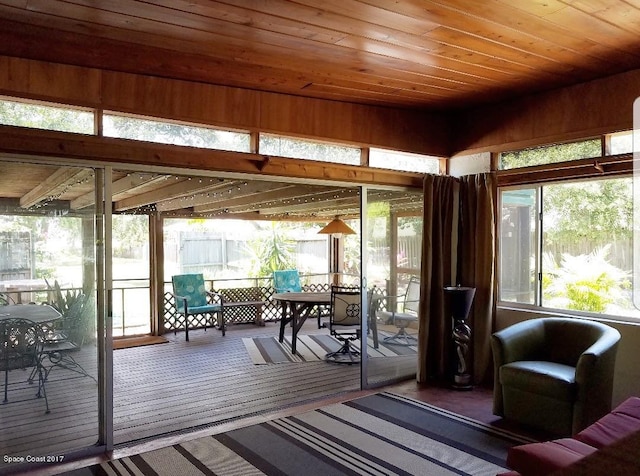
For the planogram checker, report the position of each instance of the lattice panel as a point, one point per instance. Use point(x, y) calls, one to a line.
point(271, 311)
point(244, 314)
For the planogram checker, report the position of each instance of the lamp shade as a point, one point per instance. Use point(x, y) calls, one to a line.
point(460, 299)
point(336, 227)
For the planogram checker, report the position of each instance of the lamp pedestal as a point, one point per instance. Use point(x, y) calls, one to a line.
point(459, 299)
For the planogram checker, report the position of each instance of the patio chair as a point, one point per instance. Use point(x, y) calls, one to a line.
point(5, 299)
point(21, 344)
point(401, 319)
point(344, 323)
point(64, 339)
point(287, 280)
point(192, 299)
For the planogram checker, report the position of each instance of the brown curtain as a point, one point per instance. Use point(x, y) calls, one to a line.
point(476, 266)
point(439, 241)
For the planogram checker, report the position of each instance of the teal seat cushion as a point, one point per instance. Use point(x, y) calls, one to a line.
point(287, 280)
point(550, 379)
point(191, 287)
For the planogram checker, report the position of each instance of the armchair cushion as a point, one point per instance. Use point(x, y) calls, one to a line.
point(544, 378)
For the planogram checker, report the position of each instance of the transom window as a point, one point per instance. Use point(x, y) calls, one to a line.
point(550, 154)
point(396, 160)
point(166, 132)
point(49, 116)
point(310, 150)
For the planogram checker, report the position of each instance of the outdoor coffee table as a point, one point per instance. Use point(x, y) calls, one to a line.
point(296, 307)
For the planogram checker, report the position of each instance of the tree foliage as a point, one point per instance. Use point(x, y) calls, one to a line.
point(46, 117)
point(176, 134)
point(597, 211)
point(550, 154)
point(586, 282)
point(271, 251)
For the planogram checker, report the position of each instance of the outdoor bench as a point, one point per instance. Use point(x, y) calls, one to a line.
point(240, 305)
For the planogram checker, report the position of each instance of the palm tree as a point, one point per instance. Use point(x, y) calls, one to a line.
point(271, 251)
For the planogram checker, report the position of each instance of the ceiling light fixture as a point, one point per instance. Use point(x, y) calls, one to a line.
point(337, 227)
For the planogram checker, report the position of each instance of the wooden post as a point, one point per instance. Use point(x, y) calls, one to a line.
point(156, 272)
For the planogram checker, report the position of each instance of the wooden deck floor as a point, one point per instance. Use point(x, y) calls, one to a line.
point(166, 389)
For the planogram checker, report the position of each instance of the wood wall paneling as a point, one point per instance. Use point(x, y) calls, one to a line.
point(401, 129)
point(181, 100)
point(575, 112)
point(50, 81)
point(584, 110)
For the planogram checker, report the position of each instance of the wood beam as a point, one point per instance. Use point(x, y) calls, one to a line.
point(177, 187)
point(31, 143)
point(207, 198)
point(253, 202)
point(55, 185)
point(321, 202)
point(128, 184)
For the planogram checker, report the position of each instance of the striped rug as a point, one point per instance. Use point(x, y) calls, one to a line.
point(311, 348)
point(380, 434)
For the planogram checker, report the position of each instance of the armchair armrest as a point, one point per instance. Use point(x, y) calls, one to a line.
point(184, 302)
point(215, 297)
point(522, 341)
point(376, 300)
point(594, 379)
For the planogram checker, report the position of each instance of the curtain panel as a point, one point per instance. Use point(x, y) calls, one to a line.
point(476, 266)
point(439, 242)
point(458, 248)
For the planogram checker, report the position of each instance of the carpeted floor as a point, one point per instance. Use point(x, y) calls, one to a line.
point(379, 434)
point(311, 348)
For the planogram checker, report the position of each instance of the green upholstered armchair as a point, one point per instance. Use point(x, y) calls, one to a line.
point(555, 374)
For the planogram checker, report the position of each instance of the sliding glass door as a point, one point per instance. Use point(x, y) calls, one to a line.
point(392, 240)
point(51, 261)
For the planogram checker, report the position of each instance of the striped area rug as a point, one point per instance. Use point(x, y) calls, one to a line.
point(380, 434)
point(311, 348)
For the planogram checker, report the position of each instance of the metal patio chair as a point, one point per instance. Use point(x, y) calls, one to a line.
point(192, 299)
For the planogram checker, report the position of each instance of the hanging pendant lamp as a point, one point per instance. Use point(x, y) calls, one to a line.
point(337, 227)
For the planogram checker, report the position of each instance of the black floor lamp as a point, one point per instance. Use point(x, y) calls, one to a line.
point(459, 300)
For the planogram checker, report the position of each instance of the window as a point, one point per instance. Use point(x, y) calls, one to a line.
point(396, 160)
point(620, 143)
point(569, 246)
point(550, 154)
point(310, 150)
point(165, 132)
point(46, 116)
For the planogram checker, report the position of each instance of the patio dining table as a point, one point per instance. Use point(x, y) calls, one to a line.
point(296, 307)
point(41, 314)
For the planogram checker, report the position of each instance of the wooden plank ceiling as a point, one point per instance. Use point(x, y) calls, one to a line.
point(432, 54)
point(48, 189)
point(427, 54)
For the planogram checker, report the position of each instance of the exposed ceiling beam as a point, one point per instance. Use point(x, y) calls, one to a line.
point(255, 202)
point(55, 185)
point(176, 187)
point(128, 184)
point(320, 202)
point(221, 193)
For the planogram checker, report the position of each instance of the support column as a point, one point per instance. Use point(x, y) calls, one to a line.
point(156, 272)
